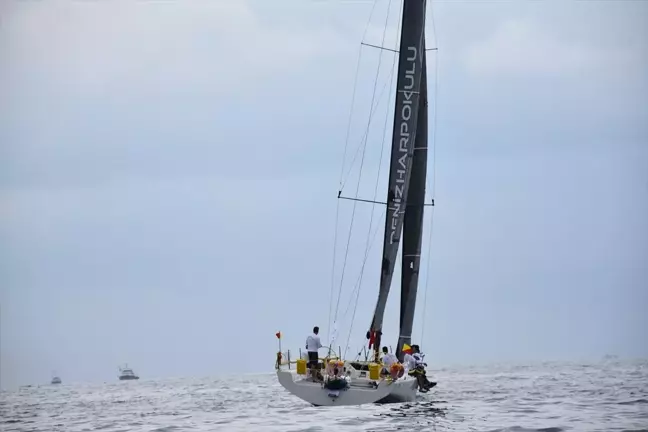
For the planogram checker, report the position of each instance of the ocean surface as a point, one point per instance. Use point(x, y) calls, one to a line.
point(549, 397)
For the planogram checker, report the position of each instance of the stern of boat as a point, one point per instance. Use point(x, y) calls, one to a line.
point(358, 393)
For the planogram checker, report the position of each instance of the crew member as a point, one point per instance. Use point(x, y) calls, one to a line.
point(419, 370)
point(408, 360)
point(387, 359)
point(313, 344)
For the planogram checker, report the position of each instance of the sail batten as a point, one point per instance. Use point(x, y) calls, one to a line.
point(408, 85)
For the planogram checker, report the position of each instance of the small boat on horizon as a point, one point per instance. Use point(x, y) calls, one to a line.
point(126, 373)
point(56, 380)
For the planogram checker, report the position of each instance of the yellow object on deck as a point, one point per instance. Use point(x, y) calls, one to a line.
point(374, 371)
point(301, 367)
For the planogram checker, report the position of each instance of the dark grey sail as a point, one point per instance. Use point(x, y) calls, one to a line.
point(410, 66)
point(413, 222)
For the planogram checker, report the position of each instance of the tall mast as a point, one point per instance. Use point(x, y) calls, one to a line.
point(410, 67)
point(413, 221)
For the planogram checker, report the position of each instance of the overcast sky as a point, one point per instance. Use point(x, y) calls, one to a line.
point(169, 172)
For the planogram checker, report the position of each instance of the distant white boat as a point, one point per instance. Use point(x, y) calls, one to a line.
point(126, 373)
point(56, 380)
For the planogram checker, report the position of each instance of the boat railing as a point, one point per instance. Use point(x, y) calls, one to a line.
point(285, 359)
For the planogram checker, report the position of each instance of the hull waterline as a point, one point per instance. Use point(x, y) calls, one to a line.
point(360, 392)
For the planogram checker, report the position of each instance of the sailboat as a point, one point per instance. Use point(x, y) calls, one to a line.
point(404, 221)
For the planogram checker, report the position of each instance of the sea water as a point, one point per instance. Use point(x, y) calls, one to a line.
point(549, 397)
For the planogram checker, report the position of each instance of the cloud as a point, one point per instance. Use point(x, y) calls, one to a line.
point(104, 46)
point(521, 48)
point(146, 88)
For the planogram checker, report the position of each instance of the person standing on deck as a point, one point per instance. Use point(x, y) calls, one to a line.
point(313, 344)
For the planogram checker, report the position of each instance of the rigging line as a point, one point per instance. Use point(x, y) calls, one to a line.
point(433, 192)
point(384, 131)
point(335, 235)
point(366, 29)
point(337, 206)
point(373, 109)
point(436, 42)
point(355, 87)
point(346, 145)
point(382, 150)
point(358, 289)
point(364, 151)
point(358, 280)
point(358, 285)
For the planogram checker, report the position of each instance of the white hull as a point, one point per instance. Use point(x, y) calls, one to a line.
point(360, 392)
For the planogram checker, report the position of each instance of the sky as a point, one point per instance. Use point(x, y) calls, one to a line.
point(169, 173)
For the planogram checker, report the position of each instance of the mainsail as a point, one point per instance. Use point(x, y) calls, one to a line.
point(408, 85)
point(413, 222)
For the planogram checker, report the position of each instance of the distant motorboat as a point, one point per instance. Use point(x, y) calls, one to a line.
point(56, 380)
point(126, 373)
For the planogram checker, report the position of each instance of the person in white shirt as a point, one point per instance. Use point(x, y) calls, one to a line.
point(413, 369)
point(409, 362)
point(418, 358)
point(419, 366)
point(313, 344)
point(388, 358)
point(391, 365)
